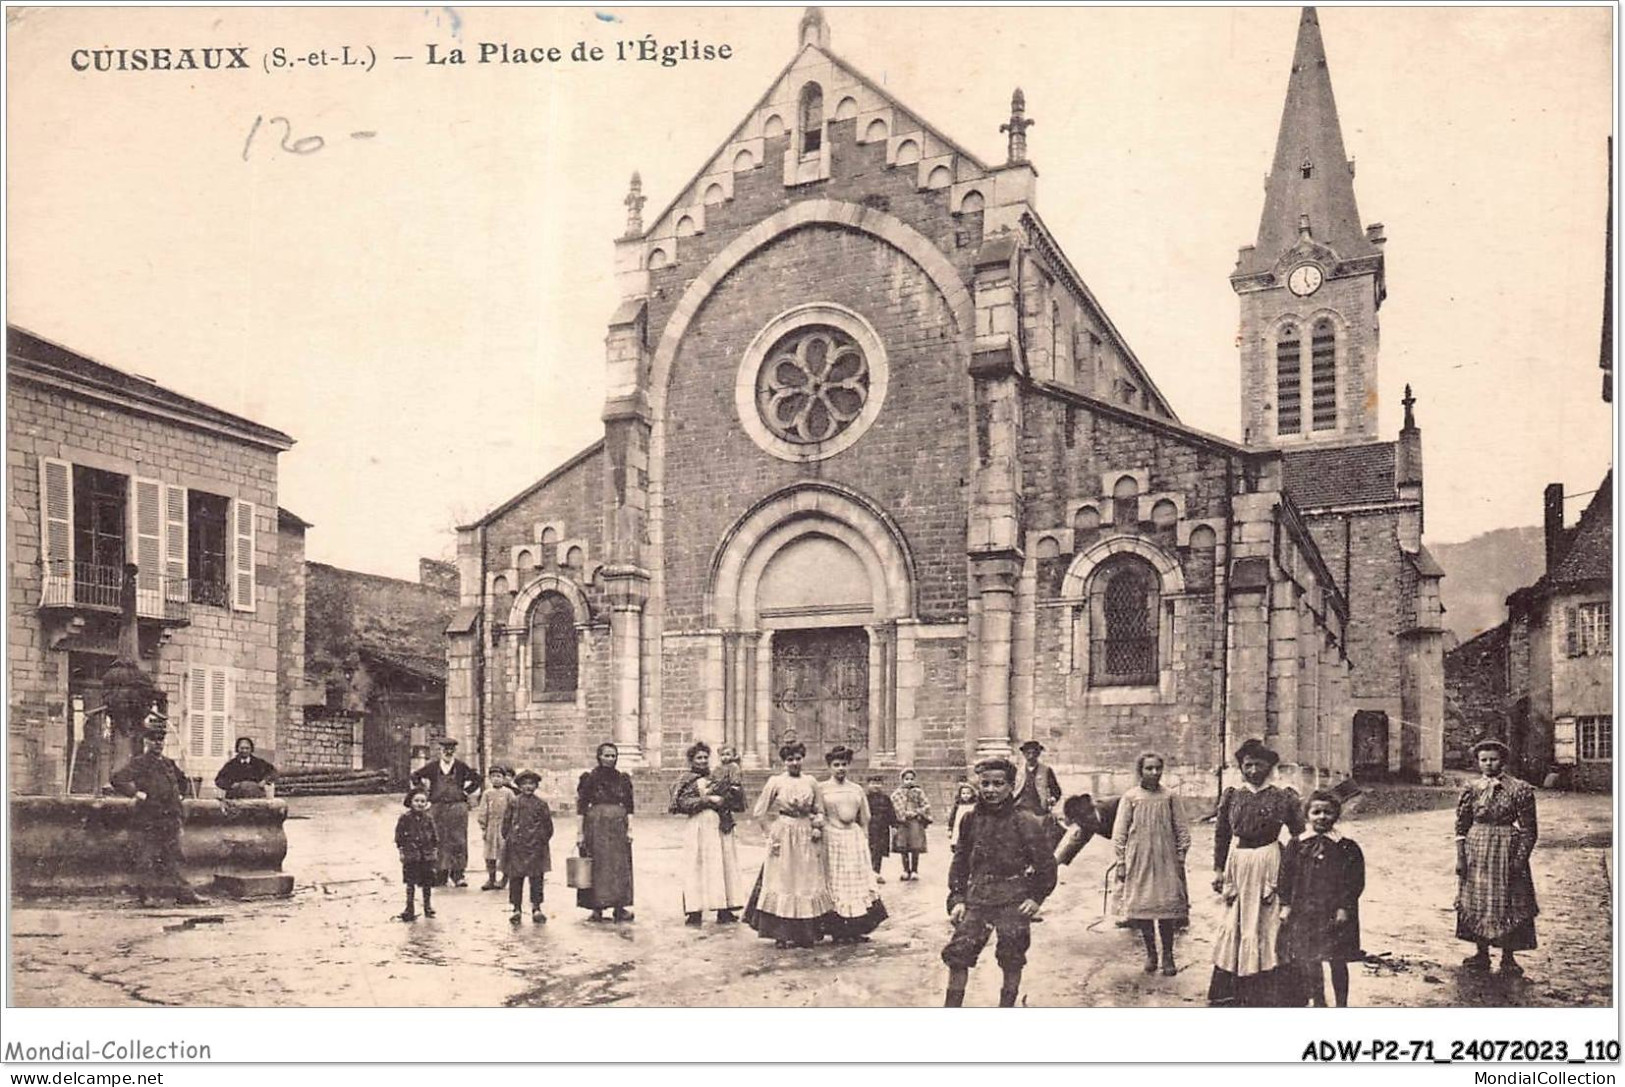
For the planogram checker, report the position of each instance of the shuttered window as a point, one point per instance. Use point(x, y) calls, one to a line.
point(1323, 375)
point(148, 519)
point(1288, 381)
point(209, 694)
point(56, 529)
point(242, 560)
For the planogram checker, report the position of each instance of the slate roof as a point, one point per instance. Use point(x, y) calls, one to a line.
point(1349, 475)
point(28, 354)
point(1310, 134)
point(1590, 553)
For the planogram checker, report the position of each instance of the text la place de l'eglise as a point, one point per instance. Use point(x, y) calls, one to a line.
point(160, 59)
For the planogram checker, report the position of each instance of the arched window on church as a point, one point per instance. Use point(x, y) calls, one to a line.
point(812, 118)
point(552, 647)
point(1288, 381)
point(1126, 503)
point(1323, 375)
point(1124, 598)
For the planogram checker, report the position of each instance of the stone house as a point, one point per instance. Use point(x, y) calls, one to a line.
point(878, 470)
point(374, 655)
point(1542, 681)
point(107, 468)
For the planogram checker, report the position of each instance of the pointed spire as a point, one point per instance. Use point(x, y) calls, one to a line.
point(1017, 127)
point(1311, 179)
point(634, 206)
point(814, 30)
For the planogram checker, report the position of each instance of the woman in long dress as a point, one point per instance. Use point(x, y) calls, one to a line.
point(1151, 839)
point(792, 893)
point(858, 909)
point(710, 869)
point(1496, 831)
point(604, 799)
point(1247, 867)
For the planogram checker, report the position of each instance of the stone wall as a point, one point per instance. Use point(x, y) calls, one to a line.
point(45, 423)
point(1476, 696)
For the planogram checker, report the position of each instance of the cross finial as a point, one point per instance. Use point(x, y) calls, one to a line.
point(634, 206)
point(814, 30)
point(1409, 402)
point(1017, 127)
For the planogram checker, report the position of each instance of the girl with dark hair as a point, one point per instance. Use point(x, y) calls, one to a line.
point(1151, 839)
point(1247, 871)
point(791, 898)
point(1496, 831)
point(604, 799)
point(711, 864)
point(857, 909)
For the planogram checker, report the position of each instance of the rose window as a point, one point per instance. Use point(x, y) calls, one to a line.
point(812, 385)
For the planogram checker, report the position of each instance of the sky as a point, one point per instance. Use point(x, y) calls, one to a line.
point(423, 307)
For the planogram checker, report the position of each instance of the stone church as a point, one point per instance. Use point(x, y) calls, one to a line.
point(878, 470)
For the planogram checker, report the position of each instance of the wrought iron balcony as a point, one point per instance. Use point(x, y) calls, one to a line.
point(89, 587)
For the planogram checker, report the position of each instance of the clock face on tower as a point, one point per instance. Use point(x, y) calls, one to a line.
point(1304, 280)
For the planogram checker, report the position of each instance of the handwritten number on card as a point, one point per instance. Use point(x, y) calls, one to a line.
point(304, 146)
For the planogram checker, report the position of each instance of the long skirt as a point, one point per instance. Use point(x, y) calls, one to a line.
point(604, 831)
point(792, 894)
point(711, 879)
point(858, 909)
point(451, 827)
point(1495, 900)
point(1245, 953)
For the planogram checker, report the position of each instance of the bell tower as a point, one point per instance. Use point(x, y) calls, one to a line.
point(1311, 285)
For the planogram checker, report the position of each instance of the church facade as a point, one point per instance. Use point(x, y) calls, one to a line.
point(878, 470)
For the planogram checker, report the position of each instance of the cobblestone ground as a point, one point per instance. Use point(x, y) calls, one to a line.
point(335, 941)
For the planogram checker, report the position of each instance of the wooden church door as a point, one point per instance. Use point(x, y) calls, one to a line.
point(821, 692)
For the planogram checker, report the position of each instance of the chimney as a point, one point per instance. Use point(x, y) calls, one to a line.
point(1554, 524)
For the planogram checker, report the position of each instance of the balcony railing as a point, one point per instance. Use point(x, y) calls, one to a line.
point(85, 586)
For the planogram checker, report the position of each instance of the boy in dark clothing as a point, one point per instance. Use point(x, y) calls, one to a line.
point(527, 830)
point(419, 846)
point(1001, 873)
point(882, 817)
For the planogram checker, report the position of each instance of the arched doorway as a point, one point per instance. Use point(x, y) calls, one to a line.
point(808, 590)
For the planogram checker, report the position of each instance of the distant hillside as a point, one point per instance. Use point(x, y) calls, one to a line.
point(1481, 572)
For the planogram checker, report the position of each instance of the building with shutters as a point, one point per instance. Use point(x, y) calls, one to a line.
point(878, 470)
point(106, 468)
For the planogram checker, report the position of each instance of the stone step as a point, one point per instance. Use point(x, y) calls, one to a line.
point(253, 884)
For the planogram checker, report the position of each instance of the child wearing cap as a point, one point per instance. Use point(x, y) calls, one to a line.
point(527, 830)
point(493, 807)
point(419, 847)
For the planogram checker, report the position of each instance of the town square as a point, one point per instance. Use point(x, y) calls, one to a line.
point(940, 541)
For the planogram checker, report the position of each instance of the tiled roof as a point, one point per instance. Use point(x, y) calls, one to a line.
point(31, 354)
point(1590, 554)
point(1350, 475)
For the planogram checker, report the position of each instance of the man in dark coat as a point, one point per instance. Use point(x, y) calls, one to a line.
point(1036, 790)
point(1001, 873)
point(158, 786)
point(450, 783)
point(246, 775)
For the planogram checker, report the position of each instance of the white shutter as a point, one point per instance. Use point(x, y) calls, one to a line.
point(175, 553)
point(56, 529)
point(147, 517)
point(242, 556)
point(219, 712)
point(197, 716)
point(1564, 741)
